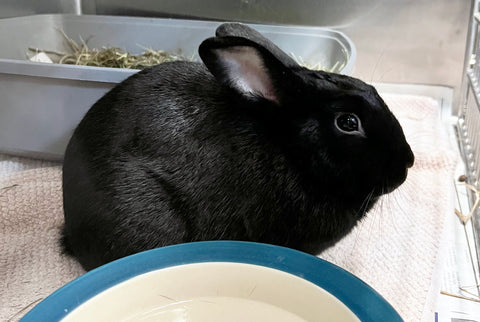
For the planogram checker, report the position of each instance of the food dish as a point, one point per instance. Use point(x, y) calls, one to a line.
point(218, 279)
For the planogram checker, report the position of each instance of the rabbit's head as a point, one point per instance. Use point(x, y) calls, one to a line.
point(335, 129)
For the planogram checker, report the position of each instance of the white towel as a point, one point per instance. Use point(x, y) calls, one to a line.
point(395, 249)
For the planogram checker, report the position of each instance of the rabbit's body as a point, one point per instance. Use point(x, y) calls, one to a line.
point(171, 155)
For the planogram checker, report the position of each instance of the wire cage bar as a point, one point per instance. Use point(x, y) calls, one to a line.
point(468, 127)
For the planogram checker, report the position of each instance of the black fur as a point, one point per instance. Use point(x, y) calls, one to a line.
point(175, 154)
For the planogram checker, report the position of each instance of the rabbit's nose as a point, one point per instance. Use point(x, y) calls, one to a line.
point(410, 157)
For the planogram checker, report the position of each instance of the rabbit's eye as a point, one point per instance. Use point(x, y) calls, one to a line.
point(349, 123)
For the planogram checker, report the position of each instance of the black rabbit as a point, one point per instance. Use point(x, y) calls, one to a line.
point(249, 146)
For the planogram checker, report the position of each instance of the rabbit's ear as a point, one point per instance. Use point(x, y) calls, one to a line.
point(240, 30)
point(244, 66)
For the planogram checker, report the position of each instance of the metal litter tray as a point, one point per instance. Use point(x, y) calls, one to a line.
point(42, 103)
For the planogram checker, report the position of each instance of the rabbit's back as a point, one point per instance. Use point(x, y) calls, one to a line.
point(149, 167)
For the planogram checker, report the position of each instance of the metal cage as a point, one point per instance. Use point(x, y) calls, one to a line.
point(469, 116)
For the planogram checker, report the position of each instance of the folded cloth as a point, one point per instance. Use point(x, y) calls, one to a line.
point(31, 262)
point(395, 248)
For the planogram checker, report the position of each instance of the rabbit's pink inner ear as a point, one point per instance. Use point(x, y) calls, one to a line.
point(246, 72)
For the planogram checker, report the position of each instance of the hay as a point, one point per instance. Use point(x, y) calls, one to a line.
point(112, 57)
point(336, 68)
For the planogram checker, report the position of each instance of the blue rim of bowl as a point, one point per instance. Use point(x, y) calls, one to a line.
point(358, 296)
